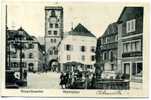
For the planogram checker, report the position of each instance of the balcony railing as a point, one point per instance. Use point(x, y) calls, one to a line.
point(109, 46)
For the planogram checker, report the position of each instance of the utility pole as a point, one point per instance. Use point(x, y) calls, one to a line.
point(20, 46)
point(6, 18)
point(7, 46)
point(6, 60)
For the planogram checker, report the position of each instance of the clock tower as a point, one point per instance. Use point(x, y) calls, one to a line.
point(53, 34)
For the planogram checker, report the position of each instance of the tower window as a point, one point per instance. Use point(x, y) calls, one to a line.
point(51, 25)
point(55, 32)
point(49, 32)
point(53, 13)
point(56, 25)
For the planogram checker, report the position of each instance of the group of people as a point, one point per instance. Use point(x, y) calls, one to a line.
point(67, 80)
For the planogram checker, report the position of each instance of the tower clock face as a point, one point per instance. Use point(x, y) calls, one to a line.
point(53, 19)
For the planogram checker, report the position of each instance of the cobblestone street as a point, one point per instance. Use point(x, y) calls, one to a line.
point(49, 80)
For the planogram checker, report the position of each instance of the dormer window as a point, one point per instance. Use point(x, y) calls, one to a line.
point(130, 26)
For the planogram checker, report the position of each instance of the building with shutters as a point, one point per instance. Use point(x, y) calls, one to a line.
point(77, 50)
point(32, 52)
point(106, 51)
point(53, 34)
point(130, 42)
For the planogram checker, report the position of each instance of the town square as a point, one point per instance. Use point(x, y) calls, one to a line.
point(77, 49)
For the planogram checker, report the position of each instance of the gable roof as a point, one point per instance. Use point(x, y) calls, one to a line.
point(81, 30)
point(111, 29)
point(131, 12)
point(13, 33)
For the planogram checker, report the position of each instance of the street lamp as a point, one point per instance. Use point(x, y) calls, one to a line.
point(19, 45)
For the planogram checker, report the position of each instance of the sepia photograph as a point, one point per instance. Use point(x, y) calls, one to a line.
point(75, 46)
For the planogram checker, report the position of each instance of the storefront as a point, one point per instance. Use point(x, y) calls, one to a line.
point(133, 68)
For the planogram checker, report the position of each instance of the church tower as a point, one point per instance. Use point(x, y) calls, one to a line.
point(53, 33)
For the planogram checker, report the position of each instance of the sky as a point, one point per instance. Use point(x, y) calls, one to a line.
point(94, 16)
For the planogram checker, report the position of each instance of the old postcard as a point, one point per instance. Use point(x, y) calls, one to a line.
point(74, 49)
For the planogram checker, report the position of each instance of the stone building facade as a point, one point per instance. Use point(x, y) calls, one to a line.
point(130, 46)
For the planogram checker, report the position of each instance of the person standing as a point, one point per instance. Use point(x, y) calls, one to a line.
point(93, 81)
point(25, 74)
point(62, 80)
point(67, 80)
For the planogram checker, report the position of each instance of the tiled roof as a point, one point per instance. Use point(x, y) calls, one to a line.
point(81, 30)
point(111, 29)
point(13, 33)
point(131, 12)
